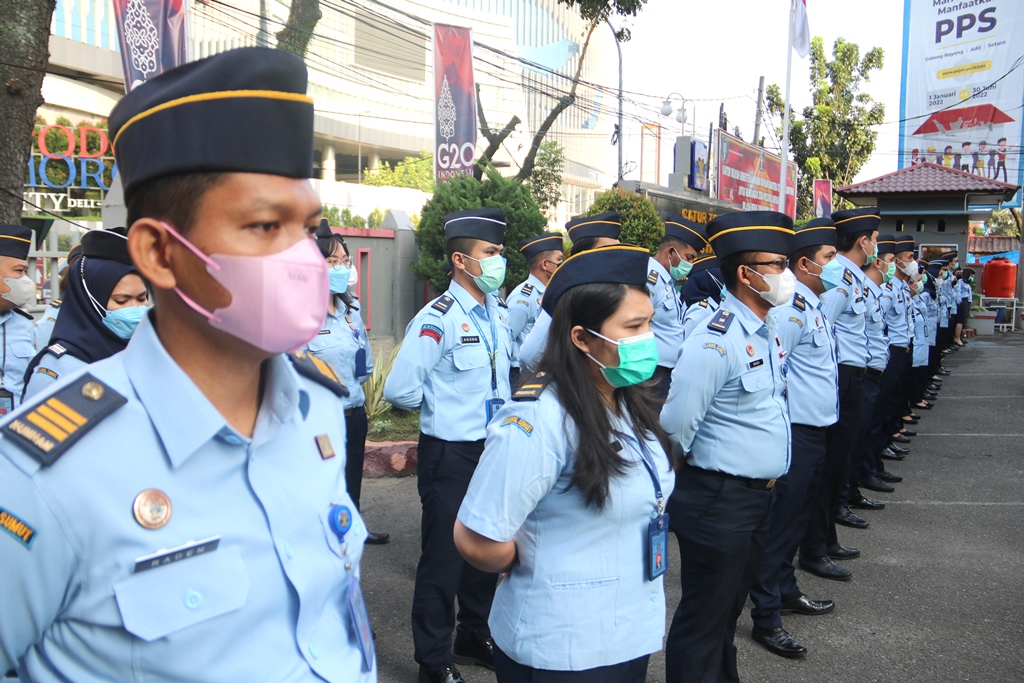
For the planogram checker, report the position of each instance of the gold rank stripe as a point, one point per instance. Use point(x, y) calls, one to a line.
point(325, 369)
point(56, 418)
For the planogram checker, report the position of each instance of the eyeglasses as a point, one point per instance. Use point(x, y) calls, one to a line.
point(335, 261)
point(781, 264)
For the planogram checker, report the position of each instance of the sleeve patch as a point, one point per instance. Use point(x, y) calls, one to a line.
point(17, 528)
point(432, 331)
point(842, 291)
point(518, 422)
point(716, 347)
point(522, 301)
point(46, 371)
point(798, 321)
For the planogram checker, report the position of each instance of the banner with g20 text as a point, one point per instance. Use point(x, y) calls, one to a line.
point(454, 102)
point(748, 176)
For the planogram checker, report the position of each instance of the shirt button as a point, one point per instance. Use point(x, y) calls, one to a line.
point(759, 385)
point(348, 566)
point(654, 598)
point(289, 550)
point(313, 652)
point(233, 440)
point(193, 599)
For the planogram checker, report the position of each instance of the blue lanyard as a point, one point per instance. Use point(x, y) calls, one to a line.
point(648, 460)
point(491, 352)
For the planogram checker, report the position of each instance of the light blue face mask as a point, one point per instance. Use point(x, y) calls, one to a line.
point(123, 321)
point(831, 273)
point(339, 278)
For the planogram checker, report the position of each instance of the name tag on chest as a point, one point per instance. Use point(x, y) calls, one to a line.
point(172, 555)
point(470, 340)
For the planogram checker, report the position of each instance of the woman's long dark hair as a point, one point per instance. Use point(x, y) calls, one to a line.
point(327, 247)
point(596, 461)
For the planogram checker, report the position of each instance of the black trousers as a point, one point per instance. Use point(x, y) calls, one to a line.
point(863, 456)
point(663, 382)
point(904, 392)
point(721, 525)
point(510, 671)
point(821, 527)
point(443, 471)
point(886, 405)
point(355, 451)
point(775, 582)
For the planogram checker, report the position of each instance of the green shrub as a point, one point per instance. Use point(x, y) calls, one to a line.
point(640, 222)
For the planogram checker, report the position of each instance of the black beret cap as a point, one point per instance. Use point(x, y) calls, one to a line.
point(606, 224)
point(886, 244)
point(478, 224)
point(687, 231)
point(615, 263)
point(240, 111)
point(111, 245)
point(904, 244)
point(852, 221)
point(324, 229)
point(548, 241)
point(818, 232)
point(15, 241)
point(948, 256)
point(768, 231)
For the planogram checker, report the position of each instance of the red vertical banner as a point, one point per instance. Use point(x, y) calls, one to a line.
point(151, 34)
point(454, 102)
point(823, 199)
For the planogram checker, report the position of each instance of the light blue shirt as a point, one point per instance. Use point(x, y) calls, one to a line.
point(50, 368)
point(931, 318)
point(444, 367)
point(918, 317)
point(269, 604)
point(945, 292)
point(19, 340)
point(532, 348)
point(964, 290)
point(726, 409)
point(667, 323)
point(846, 306)
point(523, 307)
point(698, 313)
point(878, 342)
point(44, 326)
point(812, 370)
point(897, 319)
point(337, 344)
point(578, 596)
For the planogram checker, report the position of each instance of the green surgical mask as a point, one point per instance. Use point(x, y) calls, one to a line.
point(638, 357)
point(870, 257)
point(680, 271)
point(888, 275)
point(492, 273)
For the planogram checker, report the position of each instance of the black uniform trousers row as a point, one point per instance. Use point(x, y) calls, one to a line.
point(721, 525)
point(864, 456)
point(444, 471)
point(356, 426)
point(509, 670)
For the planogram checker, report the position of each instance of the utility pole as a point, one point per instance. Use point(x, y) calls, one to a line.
point(618, 137)
point(757, 116)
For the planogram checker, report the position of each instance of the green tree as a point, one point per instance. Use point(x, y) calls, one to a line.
point(523, 219)
point(641, 224)
point(1004, 223)
point(546, 180)
point(414, 172)
point(835, 136)
point(375, 218)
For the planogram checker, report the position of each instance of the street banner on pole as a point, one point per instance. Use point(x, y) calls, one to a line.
point(455, 131)
point(748, 177)
point(151, 34)
point(823, 199)
point(698, 166)
point(962, 87)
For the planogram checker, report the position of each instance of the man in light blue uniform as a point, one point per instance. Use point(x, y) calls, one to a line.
point(225, 548)
point(727, 419)
point(702, 292)
point(543, 255)
point(673, 261)
point(812, 381)
point(454, 366)
point(18, 335)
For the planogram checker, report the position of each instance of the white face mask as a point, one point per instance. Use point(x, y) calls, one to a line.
point(909, 269)
point(23, 290)
point(781, 287)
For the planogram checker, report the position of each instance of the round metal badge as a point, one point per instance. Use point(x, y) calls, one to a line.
point(152, 508)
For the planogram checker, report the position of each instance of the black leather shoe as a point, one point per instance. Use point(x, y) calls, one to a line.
point(908, 432)
point(944, 372)
point(933, 387)
point(899, 438)
point(865, 503)
point(910, 421)
point(841, 552)
point(778, 642)
point(923, 405)
point(448, 674)
point(898, 449)
point(876, 484)
point(930, 396)
point(826, 569)
point(914, 416)
point(889, 454)
point(804, 605)
point(473, 648)
point(377, 539)
point(886, 475)
point(848, 517)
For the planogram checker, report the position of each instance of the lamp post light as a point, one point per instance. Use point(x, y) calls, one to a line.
point(681, 117)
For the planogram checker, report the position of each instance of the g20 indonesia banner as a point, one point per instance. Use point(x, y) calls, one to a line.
point(151, 34)
point(454, 102)
point(960, 102)
point(748, 176)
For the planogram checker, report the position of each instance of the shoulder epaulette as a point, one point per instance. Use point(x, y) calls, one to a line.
point(443, 304)
point(527, 289)
point(56, 303)
point(652, 277)
point(721, 322)
point(847, 276)
point(703, 303)
point(51, 426)
point(501, 302)
point(532, 387)
point(312, 368)
point(25, 314)
point(799, 302)
point(56, 350)
point(888, 285)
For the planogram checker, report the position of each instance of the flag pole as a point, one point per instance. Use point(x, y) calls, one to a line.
point(785, 118)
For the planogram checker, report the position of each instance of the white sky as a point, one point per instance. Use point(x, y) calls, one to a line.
point(718, 49)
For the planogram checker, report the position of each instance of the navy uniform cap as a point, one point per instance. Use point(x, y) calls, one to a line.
point(478, 224)
point(818, 232)
point(768, 231)
point(607, 224)
point(324, 229)
point(948, 256)
point(689, 232)
point(886, 244)
point(852, 221)
point(703, 262)
point(934, 266)
point(111, 245)
point(616, 263)
point(15, 241)
point(548, 241)
point(904, 244)
point(241, 111)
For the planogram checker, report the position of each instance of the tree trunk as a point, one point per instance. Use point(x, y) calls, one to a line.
point(24, 40)
point(298, 32)
point(494, 140)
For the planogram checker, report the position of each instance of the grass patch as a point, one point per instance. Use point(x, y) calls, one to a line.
point(395, 425)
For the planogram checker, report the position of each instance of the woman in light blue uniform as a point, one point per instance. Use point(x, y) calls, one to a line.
point(343, 345)
point(569, 492)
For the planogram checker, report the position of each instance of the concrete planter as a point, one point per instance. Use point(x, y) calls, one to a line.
point(389, 459)
point(982, 323)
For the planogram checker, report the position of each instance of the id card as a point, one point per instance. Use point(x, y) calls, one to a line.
point(361, 622)
point(360, 362)
point(6, 402)
point(657, 547)
point(493, 405)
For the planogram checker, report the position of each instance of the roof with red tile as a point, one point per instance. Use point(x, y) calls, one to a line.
point(992, 244)
point(928, 178)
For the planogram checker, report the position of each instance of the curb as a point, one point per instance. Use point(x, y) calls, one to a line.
point(389, 459)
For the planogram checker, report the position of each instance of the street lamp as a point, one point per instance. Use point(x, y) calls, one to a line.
point(681, 117)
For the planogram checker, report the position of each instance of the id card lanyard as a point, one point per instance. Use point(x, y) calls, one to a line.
point(648, 460)
point(340, 521)
point(6, 397)
point(491, 351)
point(656, 550)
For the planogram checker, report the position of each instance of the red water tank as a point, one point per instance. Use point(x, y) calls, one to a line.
point(1001, 278)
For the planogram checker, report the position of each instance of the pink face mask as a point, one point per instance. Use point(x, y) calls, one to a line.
point(278, 302)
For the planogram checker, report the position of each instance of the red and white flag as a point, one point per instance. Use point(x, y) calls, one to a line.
point(801, 31)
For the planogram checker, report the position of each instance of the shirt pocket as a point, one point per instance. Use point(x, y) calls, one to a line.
point(158, 602)
point(23, 349)
point(322, 342)
point(876, 315)
point(472, 368)
point(859, 307)
point(819, 338)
